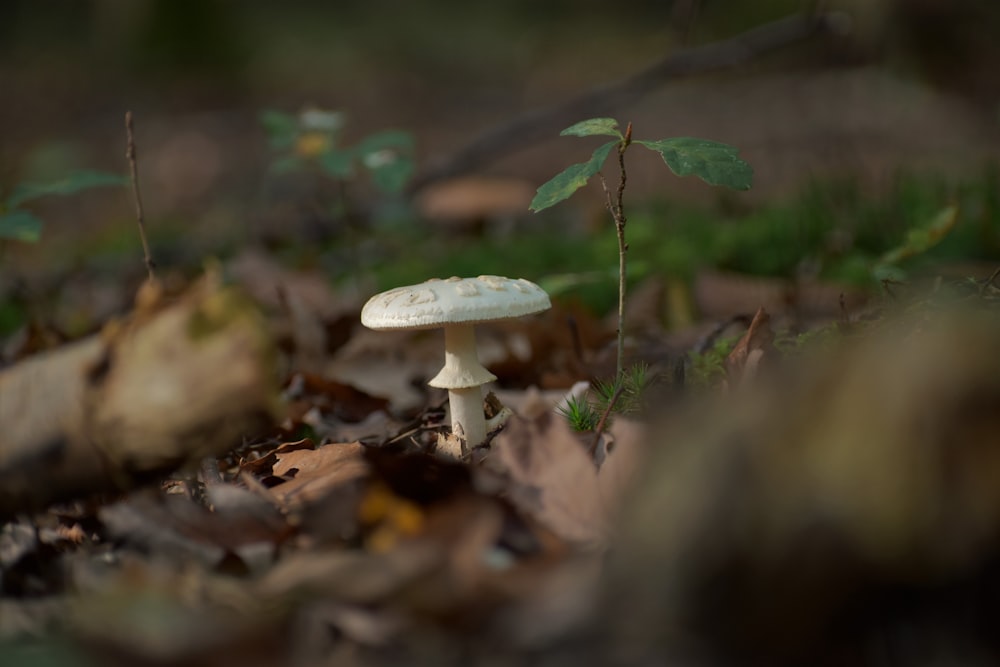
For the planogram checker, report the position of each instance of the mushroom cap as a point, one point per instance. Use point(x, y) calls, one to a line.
point(437, 303)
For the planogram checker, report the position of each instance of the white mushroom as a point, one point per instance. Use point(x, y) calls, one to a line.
point(457, 305)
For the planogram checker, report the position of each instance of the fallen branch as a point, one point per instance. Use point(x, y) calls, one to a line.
point(166, 388)
point(535, 126)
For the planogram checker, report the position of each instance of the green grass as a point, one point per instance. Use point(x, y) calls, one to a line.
point(834, 231)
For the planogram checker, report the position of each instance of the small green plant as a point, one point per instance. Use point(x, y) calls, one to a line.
point(708, 367)
point(19, 224)
point(623, 396)
point(581, 413)
point(312, 138)
point(713, 162)
point(919, 240)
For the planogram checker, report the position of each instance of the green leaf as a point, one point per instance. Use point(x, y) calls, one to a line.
point(592, 127)
point(70, 184)
point(574, 177)
point(281, 128)
point(20, 226)
point(921, 239)
point(338, 163)
point(713, 162)
point(388, 156)
point(392, 177)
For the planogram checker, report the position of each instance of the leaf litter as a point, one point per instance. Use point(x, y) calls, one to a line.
point(737, 519)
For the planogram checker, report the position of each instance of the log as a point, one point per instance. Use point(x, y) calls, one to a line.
point(169, 386)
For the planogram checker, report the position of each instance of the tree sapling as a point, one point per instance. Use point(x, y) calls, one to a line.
point(713, 162)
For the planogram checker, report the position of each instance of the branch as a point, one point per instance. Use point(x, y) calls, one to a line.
point(542, 124)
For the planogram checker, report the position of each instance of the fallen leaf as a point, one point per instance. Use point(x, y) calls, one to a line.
point(343, 400)
point(743, 362)
point(265, 463)
point(552, 478)
point(318, 471)
point(177, 526)
point(350, 576)
point(375, 363)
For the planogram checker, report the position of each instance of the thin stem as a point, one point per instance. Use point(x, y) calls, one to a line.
point(599, 429)
point(617, 210)
point(134, 168)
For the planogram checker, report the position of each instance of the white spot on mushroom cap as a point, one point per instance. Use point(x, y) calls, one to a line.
point(436, 302)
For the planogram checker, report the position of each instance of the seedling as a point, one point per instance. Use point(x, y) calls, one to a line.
point(713, 162)
point(312, 138)
point(19, 224)
point(623, 395)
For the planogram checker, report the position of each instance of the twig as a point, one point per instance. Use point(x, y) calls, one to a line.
point(989, 282)
point(535, 126)
point(604, 418)
point(140, 218)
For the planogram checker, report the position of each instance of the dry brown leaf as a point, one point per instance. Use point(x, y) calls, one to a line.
point(351, 576)
point(743, 362)
point(264, 464)
point(343, 400)
point(623, 460)
point(176, 527)
point(388, 364)
point(552, 478)
point(377, 426)
point(74, 533)
point(550, 603)
point(319, 471)
point(308, 333)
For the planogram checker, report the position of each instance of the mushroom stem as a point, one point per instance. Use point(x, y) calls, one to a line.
point(461, 363)
point(467, 419)
point(463, 376)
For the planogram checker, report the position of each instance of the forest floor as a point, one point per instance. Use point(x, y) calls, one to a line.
point(223, 466)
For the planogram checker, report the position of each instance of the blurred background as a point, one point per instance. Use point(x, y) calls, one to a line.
point(884, 120)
